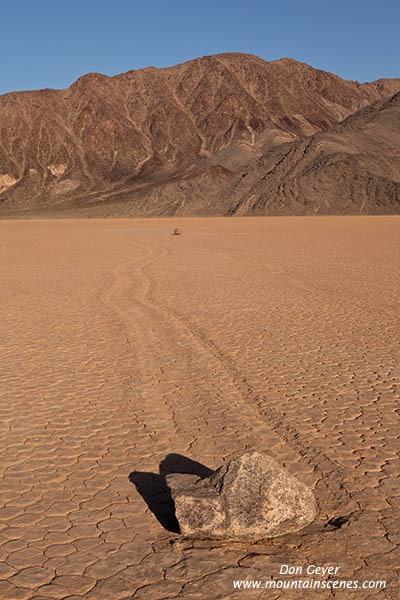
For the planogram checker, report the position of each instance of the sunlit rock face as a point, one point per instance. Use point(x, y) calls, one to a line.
point(252, 497)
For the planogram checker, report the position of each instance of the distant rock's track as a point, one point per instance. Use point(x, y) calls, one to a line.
point(200, 386)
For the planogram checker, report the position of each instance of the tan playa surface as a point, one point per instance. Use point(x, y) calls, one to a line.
point(124, 347)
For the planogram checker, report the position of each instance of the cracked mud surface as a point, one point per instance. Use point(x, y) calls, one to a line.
point(123, 348)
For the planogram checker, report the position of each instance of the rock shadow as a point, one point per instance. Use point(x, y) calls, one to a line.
point(155, 492)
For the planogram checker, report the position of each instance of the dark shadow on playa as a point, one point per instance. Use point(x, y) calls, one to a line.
point(155, 492)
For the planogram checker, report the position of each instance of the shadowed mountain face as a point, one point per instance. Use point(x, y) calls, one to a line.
point(198, 138)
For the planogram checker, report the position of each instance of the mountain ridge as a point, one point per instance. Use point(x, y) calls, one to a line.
point(107, 138)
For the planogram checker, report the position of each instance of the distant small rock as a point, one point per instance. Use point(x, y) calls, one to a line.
point(177, 231)
point(252, 497)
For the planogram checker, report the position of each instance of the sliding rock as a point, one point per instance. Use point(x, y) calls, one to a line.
point(252, 497)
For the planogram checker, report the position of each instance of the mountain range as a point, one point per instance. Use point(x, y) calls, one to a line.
point(229, 134)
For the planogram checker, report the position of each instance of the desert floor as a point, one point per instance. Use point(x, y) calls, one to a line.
point(127, 352)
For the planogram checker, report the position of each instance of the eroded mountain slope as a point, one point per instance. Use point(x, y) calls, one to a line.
point(353, 167)
point(111, 144)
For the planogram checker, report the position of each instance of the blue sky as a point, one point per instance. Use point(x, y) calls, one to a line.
point(50, 44)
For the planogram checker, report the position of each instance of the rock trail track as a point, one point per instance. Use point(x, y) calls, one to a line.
point(124, 349)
